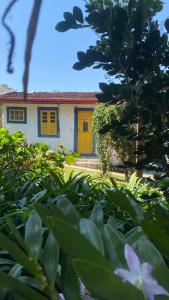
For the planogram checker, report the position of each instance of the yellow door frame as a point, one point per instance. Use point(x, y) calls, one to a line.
point(76, 111)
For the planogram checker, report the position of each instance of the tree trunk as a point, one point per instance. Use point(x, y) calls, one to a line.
point(139, 173)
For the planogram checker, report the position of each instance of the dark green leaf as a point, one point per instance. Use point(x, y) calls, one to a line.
point(74, 244)
point(18, 287)
point(97, 214)
point(102, 283)
point(148, 253)
point(69, 280)
point(158, 236)
point(67, 208)
point(90, 231)
point(39, 197)
point(69, 17)
point(114, 246)
point(18, 254)
point(126, 204)
point(63, 26)
point(51, 258)
point(78, 66)
point(77, 13)
point(17, 234)
point(33, 234)
point(42, 211)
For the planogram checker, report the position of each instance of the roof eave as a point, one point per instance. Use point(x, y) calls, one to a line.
point(48, 101)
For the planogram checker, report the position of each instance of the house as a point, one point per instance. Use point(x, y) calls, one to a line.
point(52, 118)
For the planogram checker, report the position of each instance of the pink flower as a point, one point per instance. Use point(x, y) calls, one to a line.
point(140, 275)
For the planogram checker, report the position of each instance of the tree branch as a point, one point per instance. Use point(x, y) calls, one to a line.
point(11, 36)
point(31, 33)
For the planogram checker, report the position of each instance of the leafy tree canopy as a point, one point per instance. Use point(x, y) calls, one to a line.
point(134, 51)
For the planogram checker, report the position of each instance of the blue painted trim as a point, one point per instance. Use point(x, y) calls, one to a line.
point(17, 122)
point(57, 114)
point(76, 110)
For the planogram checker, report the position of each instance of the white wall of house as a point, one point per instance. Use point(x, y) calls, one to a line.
point(66, 124)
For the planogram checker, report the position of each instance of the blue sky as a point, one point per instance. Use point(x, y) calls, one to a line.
point(53, 53)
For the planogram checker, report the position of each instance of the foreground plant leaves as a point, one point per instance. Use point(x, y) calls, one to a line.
point(18, 255)
point(97, 215)
point(158, 236)
point(90, 231)
point(15, 232)
point(68, 209)
point(147, 252)
point(114, 246)
point(51, 258)
point(69, 280)
point(33, 234)
point(18, 287)
point(127, 204)
point(102, 283)
point(74, 244)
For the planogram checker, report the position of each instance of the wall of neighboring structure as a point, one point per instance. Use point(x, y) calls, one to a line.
point(66, 124)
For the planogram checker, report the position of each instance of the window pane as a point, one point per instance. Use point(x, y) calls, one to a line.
point(20, 115)
point(16, 115)
point(44, 117)
point(11, 115)
point(85, 126)
point(53, 117)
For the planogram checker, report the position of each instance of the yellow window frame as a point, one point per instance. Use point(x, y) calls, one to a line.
point(48, 122)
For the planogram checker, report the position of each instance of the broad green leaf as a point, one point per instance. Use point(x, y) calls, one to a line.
point(33, 234)
point(62, 26)
point(17, 254)
point(112, 222)
point(16, 271)
point(18, 287)
point(162, 216)
point(68, 209)
point(74, 244)
point(32, 282)
point(31, 187)
point(51, 258)
point(134, 234)
point(102, 283)
point(158, 236)
point(77, 13)
point(39, 197)
point(42, 211)
point(90, 231)
point(114, 246)
point(126, 204)
point(69, 280)
point(69, 17)
point(97, 214)
point(16, 234)
point(148, 253)
point(57, 213)
point(4, 261)
point(18, 297)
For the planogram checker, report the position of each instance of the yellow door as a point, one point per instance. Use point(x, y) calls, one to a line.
point(48, 122)
point(85, 132)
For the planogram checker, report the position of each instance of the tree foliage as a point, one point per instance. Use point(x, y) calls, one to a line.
point(134, 52)
point(112, 149)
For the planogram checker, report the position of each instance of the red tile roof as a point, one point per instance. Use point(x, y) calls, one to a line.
point(52, 98)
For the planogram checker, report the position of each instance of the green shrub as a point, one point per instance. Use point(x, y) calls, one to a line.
point(56, 248)
point(57, 233)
